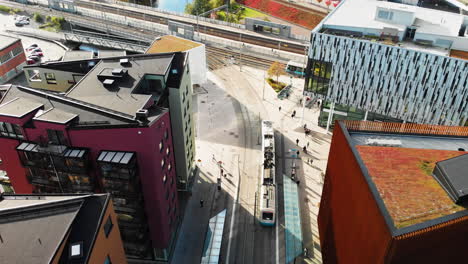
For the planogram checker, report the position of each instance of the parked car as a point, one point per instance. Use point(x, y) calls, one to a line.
point(21, 23)
point(37, 50)
point(30, 61)
point(32, 46)
point(35, 58)
point(37, 53)
point(19, 18)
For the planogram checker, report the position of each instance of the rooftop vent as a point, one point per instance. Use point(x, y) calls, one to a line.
point(124, 61)
point(112, 73)
point(142, 115)
point(118, 71)
point(452, 175)
point(384, 142)
point(108, 82)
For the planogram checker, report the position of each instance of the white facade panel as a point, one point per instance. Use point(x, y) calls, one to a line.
point(400, 83)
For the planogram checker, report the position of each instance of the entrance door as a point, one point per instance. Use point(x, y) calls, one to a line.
point(410, 31)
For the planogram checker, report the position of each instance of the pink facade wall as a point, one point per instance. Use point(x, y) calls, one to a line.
point(143, 141)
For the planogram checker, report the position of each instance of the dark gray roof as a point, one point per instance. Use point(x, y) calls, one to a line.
point(18, 107)
point(121, 96)
point(452, 175)
point(33, 227)
point(32, 232)
point(87, 115)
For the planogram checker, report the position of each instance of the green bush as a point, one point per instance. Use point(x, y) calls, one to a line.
point(5, 9)
point(277, 86)
point(38, 18)
point(48, 18)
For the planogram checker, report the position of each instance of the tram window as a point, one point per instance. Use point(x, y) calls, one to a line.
point(267, 216)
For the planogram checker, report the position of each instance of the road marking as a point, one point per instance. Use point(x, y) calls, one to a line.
point(234, 206)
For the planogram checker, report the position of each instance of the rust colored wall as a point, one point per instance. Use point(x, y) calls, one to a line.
point(442, 244)
point(59, 252)
point(111, 245)
point(352, 229)
point(20, 58)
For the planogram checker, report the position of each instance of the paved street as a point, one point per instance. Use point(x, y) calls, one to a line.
point(228, 112)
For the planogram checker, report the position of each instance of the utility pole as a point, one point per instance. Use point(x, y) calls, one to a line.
point(240, 51)
point(263, 93)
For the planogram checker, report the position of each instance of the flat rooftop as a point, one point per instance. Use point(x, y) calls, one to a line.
point(121, 97)
point(403, 178)
point(170, 43)
point(360, 16)
point(6, 41)
point(73, 55)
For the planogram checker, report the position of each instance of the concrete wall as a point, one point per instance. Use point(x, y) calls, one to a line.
point(180, 101)
point(64, 80)
point(111, 245)
point(197, 64)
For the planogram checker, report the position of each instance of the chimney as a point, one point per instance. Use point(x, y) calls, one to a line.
point(142, 115)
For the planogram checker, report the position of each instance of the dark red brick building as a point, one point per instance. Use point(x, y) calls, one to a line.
point(12, 58)
point(381, 202)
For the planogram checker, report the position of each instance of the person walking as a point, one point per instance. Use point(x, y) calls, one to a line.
point(201, 203)
point(279, 108)
point(297, 153)
point(297, 142)
point(305, 126)
point(304, 149)
point(308, 144)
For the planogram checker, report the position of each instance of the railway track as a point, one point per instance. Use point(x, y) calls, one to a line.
point(211, 30)
point(218, 58)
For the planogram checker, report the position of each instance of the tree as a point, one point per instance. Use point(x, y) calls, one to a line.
point(198, 7)
point(276, 69)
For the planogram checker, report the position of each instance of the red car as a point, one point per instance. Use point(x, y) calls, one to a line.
point(30, 61)
point(37, 53)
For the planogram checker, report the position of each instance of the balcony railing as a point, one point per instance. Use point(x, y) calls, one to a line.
point(405, 128)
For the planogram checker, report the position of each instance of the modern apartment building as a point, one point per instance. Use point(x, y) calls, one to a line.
point(77, 229)
point(62, 76)
point(380, 60)
point(12, 58)
point(111, 132)
point(395, 193)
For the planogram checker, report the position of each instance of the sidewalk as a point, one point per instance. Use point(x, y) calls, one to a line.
point(213, 110)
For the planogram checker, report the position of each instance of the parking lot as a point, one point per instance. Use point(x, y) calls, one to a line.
point(51, 50)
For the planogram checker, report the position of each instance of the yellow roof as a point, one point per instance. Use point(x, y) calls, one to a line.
point(170, 43)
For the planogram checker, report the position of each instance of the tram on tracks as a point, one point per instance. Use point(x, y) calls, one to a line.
point(268, 180)
point(296, 68)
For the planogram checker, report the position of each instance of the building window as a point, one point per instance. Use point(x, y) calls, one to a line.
point(76, 250)
point(50, 78)
point(34, 75)
point(173, 197)
point(168, 151)
point(169, 167)
point(163, 162)
point(319, 77)
point(161, 146)
point(166, 134)
point(11, 130)
point(164, 178)
point(108, 260)
point(387, 15)
point(108, 226)
point(168, 208)
point(56, 137)
point(167, 195)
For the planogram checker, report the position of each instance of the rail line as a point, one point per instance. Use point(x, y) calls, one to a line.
point(211, 30)
point(218, 58)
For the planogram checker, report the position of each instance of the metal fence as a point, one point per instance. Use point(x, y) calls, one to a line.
point(209, 20)
point(405, 128)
